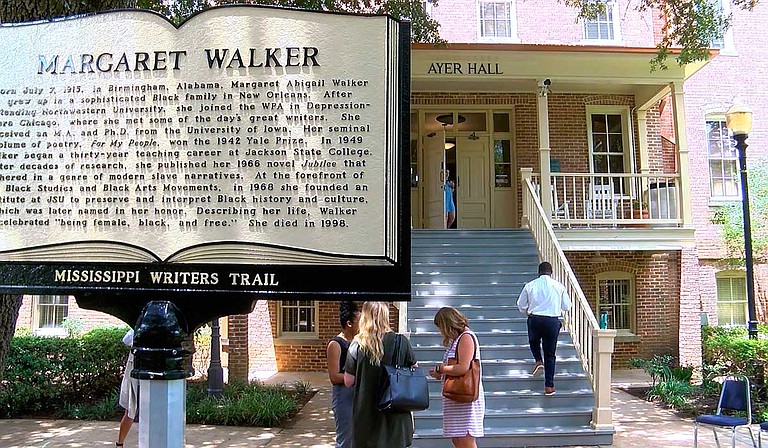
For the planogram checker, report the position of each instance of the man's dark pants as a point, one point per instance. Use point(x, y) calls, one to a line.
point(542, 333)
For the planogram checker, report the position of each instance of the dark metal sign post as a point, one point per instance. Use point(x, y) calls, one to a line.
point(169, 175)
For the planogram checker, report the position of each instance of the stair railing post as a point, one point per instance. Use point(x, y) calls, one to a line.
point(525, 175)
point(602, 416)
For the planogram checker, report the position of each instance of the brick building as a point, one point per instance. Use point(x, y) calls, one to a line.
point(605, 133)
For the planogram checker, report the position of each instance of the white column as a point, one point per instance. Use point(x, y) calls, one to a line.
point(162, 413)
point(683, 166)
point(542, 106)
point(642, 140)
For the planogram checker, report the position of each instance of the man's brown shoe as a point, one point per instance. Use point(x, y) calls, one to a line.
point(549, 391)
point(538, 369)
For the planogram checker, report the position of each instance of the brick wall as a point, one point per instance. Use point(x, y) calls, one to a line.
point(294, 354)
point(238, 346)
point(735, 72)
point(555, 23)
point(89, 318)
point(657, 286)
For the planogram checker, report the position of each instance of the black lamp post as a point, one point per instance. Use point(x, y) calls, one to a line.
point(738, 119)
point(215, 371)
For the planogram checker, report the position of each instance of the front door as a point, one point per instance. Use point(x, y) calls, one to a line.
point(473, 180)
point(434, 161)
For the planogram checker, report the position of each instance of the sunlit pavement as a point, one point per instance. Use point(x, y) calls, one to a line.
point(639, 424)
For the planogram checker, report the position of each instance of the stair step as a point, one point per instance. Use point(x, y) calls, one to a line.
point(513, 326)
point(503, 418)
point(511, 367)
point(445, 288)
point(459, 301)
point(495, 351)
point(481, 273)
point(478, 277)
point(526, 385)
point(466, 233)
point(471, 262)
point(418, 310)
point(529, 401)
point(531, 436)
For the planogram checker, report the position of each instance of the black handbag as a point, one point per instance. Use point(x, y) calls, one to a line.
point(401, 388)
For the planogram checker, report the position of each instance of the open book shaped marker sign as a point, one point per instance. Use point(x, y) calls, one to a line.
point(252, 152)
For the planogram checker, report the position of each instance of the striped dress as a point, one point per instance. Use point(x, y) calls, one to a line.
point(460, 419)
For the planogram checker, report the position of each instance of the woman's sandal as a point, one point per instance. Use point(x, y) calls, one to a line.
point(118, 444)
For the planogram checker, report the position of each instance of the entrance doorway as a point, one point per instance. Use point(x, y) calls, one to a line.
point(457, 169)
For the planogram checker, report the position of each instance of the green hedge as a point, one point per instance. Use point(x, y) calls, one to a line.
point(729, 350)
point(45, 373)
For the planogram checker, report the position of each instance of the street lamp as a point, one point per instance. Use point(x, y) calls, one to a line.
point(215, 371)
point(738, 119)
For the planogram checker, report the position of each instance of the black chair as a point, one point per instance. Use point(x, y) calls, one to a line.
point(734, 396)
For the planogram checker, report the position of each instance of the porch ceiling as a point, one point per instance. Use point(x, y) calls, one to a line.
point(517, 68)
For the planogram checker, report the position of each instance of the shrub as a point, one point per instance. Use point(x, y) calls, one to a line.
point(729, 350)
point(43, 373)
point(242, 404)
point(659, 367)
point(674, 392)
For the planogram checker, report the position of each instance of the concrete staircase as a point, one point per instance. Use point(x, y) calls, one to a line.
point(481, 273)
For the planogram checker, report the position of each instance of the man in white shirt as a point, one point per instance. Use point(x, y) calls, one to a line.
point(544, 300)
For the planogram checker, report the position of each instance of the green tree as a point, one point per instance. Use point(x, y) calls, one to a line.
point(730, 217)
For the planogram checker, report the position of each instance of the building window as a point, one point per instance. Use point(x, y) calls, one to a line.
point(49, 314)
point(426, 6)
point(731, 298)
point(609, 144)
point(496, 20)
point(723, 161)
point(502, 158)
point(604, 27)
point(724, 43)
point(298, 318)
point(615, 296)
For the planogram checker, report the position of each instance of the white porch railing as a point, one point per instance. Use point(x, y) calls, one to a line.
point(593, 345)
point(616, 199)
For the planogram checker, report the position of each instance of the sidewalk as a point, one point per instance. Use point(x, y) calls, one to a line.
point(638, 424)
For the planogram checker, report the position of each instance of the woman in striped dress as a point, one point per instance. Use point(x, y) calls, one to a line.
point(462, 422)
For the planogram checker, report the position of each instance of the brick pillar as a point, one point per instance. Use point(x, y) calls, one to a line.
point(690, 308)
point(238, 346)
point(261, 345)
point(394, 318)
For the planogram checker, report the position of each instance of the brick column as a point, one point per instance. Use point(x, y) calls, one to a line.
point(261, 345)
point(238, 346)
point(690, 308)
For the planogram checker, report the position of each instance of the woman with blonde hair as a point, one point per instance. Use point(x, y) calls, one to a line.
point(462, 422)
point(372, 348)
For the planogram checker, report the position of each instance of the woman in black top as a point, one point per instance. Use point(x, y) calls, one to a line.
point(342, 398)
point(373, 347)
